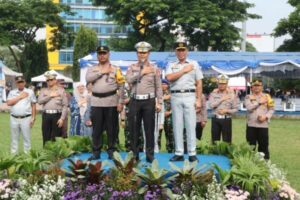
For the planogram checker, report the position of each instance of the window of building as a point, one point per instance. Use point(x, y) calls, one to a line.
point(65, 57)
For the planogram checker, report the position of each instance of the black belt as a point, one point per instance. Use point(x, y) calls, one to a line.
point(106, 94)
point(21, 117)
point(183, 91)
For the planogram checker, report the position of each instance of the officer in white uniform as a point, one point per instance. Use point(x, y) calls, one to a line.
point(185, 79)
point(22, 114)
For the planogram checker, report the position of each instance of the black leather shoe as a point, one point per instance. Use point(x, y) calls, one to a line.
point(177, 158)
point(193, 159)
point(94, 157)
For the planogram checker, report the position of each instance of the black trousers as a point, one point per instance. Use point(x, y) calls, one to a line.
point(199, 131)
point(259, 136)
point(104, 118)
point(50, 129)
point(221, 127)
point(142, 110)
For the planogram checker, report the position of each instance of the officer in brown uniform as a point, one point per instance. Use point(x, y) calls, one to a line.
point(55, 108)
point(201, 118)
point(224, 103)
point(146, 98)
point(260, 108)
point(61, 83)
point(106, 101)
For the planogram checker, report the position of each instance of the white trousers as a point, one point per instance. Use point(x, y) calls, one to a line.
point(18, 126)
point(184, 116)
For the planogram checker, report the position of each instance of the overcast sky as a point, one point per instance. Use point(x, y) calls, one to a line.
point(271, 12)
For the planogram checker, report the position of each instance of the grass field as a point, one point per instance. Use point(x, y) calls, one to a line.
point(284, 142)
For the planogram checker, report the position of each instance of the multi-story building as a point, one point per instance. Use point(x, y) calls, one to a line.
point(90, 16)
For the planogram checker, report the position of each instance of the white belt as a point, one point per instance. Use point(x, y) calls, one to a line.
point(222, 116)
point(143, 96)
point(52, 111)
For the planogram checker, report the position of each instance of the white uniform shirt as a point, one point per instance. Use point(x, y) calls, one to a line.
point(188, 80)
point(22, 107)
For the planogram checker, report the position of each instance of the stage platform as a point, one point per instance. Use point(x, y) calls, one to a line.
point(163, 160)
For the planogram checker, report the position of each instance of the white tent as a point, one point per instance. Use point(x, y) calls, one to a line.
point(41, 78)
point(237, 83)
point(9, 72)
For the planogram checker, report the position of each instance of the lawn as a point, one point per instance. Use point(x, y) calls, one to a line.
point(284, 142)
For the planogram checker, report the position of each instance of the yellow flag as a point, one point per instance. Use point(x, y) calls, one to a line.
point(119, 76)
point(140, 18)
point(270, 101)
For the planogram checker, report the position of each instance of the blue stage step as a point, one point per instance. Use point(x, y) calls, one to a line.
point(163, 160)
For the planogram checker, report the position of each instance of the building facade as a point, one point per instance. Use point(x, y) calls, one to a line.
point(90, 16)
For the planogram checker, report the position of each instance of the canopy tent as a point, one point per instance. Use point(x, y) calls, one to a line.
point(7, 76)
point(41, 78)
point(212, 63)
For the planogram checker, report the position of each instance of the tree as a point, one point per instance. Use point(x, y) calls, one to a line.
point(8, 59)
point(291, 26)
point(20, 20)
point(34, 59)
point(205, 23)
point(85, 43)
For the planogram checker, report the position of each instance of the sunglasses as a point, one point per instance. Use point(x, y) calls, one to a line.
point(102, 53)
point(49, 80)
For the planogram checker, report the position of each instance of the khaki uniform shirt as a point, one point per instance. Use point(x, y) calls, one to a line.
point(146, 84)
point(103, 83)
point(54, 103)
point(230, 104)
point(202, 115)
point(254, 110)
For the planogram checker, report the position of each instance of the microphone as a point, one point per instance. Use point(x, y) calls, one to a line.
point(142, 64)
point(142, 67)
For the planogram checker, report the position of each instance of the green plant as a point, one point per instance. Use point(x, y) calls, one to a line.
point(59, 149)
point(224, 175)
point(77, 170)
point(79, 144)
point(6, 165)
point(251, 173)
point(203, 147)
point(190, 173)
point(153, 177)
point(220, 148)
point(241, 150)
point(33, 162)
point(95, 172)
point(122, 175)
point(125, 166)
point(85, 171)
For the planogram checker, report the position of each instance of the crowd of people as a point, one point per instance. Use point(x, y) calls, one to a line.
point(142, 103)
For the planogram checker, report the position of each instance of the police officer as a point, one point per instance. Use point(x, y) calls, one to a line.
point(201, 118)
point(260, 108)
point(22, 114)
point(106, 101)
point(55, 108)
point(168, 125)
point(61, 83)
point(146, 98)
point(223, 103)
point(186, 90)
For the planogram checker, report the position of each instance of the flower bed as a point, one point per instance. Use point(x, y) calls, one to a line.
point(38, 176)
